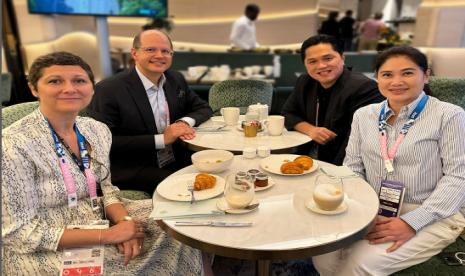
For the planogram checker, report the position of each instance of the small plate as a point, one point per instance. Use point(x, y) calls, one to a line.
point(223, 205)
point(314, 208)
point(271, 183)
point(175, 188)
point(273, 164)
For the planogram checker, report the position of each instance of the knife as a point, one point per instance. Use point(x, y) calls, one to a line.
point(210, 129)
point(213, 223)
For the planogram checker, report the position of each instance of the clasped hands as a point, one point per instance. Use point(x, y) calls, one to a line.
point(390, 230)
point(128, 236)
point(178, 130)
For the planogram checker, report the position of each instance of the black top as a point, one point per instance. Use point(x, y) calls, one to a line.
point(346, 26)
point(330, 27)
point(350, 92)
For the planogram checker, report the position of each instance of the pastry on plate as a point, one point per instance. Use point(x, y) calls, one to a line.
point(204, 181)
point(291, 168)
point(305, 162)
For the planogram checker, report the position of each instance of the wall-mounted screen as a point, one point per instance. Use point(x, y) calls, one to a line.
point(142, 8)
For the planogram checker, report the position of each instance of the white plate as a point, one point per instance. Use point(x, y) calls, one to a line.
point(313, 207)
point(175, 188)
point(270, 184)
point(273, 164)
point(218, 119)
point(223, 205)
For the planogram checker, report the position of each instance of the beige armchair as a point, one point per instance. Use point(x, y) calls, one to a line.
point(446, 62)
point(82, 44)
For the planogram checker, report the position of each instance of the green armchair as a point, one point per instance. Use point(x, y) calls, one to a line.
point(15, 112)
point(450, 90)
point(239, 93)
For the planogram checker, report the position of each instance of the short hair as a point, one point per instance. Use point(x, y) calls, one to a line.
point(349, 12)
point(57, 58)
point(333, 15)
point(252, 8)
point(319, 39)
point(409, 52)
point(378, 15)
point(136, 41)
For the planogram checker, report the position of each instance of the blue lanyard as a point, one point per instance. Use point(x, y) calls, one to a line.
point(413, 116)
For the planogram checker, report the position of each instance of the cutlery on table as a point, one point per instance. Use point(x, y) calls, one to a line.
point(213, 223)
point(210, 129)
point(190, 188)
point(248, 207)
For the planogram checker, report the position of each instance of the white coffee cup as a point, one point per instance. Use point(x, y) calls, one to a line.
point(275, 125)
point(263, 151)
point(268, 70)
point(230, 115)
point(249, 153)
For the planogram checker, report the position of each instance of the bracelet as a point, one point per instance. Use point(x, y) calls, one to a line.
point(100, 237)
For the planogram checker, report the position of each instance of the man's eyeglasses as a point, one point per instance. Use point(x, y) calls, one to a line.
point(152, 50)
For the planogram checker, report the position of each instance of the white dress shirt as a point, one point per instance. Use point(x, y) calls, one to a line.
point(243, 34)
point(159, 105)
point(430, 161)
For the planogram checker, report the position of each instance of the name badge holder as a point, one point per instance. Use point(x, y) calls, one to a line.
point(391, 193)
point(87, 260)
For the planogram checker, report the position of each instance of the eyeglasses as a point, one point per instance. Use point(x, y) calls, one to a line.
point(152, 50)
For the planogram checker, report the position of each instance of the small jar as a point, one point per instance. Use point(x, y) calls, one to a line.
point(261, 180)
point(252, 174)
point(241, 175)
point(263, 151)
point(249, 153)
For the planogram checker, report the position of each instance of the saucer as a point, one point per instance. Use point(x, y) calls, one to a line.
point(223, 205)
point(314, 208)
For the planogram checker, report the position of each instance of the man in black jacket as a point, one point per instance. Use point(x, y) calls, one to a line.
point(324, 100)
point(148, 109)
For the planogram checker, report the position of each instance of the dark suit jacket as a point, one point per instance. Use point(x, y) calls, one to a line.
point(121, 102)
point(350, 92)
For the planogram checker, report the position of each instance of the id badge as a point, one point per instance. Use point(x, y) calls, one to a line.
point(165, 156)
point(84, 260)
point(391, 196)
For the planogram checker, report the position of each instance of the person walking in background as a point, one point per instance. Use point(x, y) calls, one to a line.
point(330, 26)
point(346, 28)
point(243, 33)
point(370, 31)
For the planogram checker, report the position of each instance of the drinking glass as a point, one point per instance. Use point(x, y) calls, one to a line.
point(239, 191)
point(328, 193)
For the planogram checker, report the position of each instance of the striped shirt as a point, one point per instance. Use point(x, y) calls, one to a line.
point(430, 161)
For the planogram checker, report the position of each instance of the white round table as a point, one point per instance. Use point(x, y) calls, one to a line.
point(283, 227)
point(232, 138)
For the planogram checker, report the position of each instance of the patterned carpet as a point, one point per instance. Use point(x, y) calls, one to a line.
point(230, 267)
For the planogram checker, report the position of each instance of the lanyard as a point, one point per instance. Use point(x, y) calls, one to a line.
point(388, 156)
point(85, 166)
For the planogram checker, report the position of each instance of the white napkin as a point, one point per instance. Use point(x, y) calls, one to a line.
point(338, 171)
point(180, 209)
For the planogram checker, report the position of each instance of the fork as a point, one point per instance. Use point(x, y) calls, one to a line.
point(190, 188)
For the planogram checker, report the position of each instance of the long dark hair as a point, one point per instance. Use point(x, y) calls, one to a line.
point(409, 52)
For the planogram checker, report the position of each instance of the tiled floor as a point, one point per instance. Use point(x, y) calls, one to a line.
point(231, 267)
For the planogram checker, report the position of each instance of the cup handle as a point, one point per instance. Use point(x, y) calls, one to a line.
point(221, 112)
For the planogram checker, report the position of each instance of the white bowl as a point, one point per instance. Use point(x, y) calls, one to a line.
point(212, 161)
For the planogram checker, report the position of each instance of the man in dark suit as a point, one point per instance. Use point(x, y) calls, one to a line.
point(324, 100)
point(149, 110)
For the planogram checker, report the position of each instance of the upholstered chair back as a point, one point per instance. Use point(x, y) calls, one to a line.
point(239, 93)
point(450, 90)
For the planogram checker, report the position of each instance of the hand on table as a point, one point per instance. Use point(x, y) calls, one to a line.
point(178, 130)
point(390, 230)
point(321, 135)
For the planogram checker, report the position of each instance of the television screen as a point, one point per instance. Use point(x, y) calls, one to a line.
point(143, 8)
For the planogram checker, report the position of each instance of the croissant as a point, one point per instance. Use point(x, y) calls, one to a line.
point(291, 168)
point(204, 181)
point(305, 162)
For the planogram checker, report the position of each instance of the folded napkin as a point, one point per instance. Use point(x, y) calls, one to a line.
point(181, 209)
point(338, 171)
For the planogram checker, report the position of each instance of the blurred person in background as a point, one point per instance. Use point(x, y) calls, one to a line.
point(346, 27)
point(370, 32)
point(243, 32)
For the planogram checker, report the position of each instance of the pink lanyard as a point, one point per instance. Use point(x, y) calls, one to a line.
point(388, 156)
point(66, 171)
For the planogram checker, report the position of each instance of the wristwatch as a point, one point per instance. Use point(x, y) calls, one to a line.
point(125, 218)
